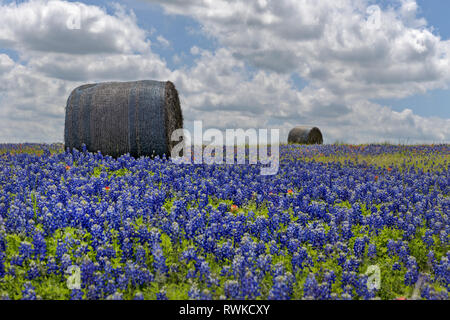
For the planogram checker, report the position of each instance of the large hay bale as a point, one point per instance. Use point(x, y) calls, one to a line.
point(305, 135)
point(123, 117)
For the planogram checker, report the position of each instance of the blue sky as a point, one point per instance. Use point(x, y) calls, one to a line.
point(436, 102)
point(182, 32)
point(176, 28)
point(246, 63)
point(436, 12)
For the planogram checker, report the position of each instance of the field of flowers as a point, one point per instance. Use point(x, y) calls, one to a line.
point(152, 229)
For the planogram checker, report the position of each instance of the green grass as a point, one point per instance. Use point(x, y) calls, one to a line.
point(399, 160)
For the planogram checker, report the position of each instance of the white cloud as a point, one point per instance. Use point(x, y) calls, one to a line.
point(221, 91)
point(336, 46)
point(31, 106)
point(163, 41)
point(46, 26)
point(100, 67)
point(6, 63)
point(54, 59)
point(348, 52)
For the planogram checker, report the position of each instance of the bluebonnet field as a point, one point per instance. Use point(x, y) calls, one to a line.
point(152, 229)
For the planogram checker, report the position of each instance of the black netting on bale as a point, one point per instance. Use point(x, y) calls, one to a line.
point(123, 117)
point(305, 135)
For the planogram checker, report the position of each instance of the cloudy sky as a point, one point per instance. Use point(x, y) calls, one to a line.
point(361, 70)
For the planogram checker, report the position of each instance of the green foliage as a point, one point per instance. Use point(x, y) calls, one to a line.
point(176, 285)
point(116, 173)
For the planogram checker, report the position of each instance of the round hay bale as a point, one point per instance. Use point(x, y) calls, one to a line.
point(305, 135)
point(116, 118)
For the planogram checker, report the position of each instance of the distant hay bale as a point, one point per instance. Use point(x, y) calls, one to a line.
point(305, 135)
point(123, 117)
